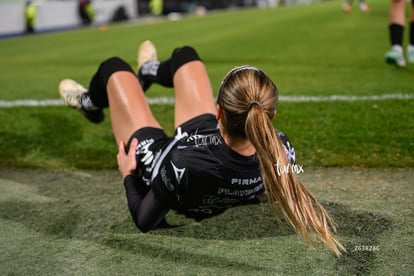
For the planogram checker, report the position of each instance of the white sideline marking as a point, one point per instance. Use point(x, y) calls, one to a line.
point(341, 98)
point(18, 103)
point(170, 100)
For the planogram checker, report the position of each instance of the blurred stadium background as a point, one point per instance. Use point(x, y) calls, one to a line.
point(56, 15)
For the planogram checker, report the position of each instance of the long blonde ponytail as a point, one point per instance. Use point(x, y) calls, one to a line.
point(287, 197)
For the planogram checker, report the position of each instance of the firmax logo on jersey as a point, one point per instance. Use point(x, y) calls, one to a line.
point(246, 181)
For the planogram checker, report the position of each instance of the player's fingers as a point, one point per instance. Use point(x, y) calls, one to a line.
point(132, 147)
point(121, 147)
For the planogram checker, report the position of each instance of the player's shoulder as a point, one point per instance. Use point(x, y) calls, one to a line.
point(290, 150)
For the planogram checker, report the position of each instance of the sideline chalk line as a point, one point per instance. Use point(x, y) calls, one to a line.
point(170, 100)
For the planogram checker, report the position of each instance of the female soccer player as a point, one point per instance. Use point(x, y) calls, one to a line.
point(396, 28)
point(222, 155)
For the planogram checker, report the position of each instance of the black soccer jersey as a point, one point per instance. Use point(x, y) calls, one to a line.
point(200, 176)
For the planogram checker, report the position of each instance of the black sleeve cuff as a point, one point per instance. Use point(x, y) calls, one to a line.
point(129, 180)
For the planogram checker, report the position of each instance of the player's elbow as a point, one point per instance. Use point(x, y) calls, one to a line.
point(144, 225)
point(147, 225)
point(144, 228)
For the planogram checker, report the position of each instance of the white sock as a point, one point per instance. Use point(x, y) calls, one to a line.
point(397, 47)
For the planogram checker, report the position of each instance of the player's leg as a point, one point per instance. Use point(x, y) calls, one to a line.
point(114, 85)
point(410, 50)
point(397, 12)
point(184, 71)
point(193, 92)
point(396, 31)
point(128, 107)
point(347, 6)
point(363, 6)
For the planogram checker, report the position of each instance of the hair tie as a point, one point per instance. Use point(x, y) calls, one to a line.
point(252, 103)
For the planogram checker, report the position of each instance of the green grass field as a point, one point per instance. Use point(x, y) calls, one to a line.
point(62, 204)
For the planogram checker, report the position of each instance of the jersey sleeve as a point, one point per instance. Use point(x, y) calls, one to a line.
point(146, 210)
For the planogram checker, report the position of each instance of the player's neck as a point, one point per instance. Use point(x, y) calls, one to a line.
point(240, 145)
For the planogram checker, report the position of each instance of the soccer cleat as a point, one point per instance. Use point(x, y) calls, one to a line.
point(410, 53)
point(71, 92)
point(395, 56)
point(146, 52)
point(346, 8)
point(364, 7)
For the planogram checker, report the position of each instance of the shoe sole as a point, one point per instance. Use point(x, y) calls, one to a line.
point(394, 61)
point(71, 99)
point(146, 52)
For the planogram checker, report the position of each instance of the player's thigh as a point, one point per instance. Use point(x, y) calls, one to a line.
point(128, 107)
point(193, 92)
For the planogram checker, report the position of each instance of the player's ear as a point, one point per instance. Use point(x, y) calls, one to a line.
point(274, 115)
point(219, 112)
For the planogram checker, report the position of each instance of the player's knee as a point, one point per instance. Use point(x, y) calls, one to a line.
point(182, 56)
point(113, 65)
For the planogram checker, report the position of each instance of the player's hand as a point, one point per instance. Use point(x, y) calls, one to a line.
point(127, 163)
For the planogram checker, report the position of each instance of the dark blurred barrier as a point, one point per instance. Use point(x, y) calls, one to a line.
point(185, 6)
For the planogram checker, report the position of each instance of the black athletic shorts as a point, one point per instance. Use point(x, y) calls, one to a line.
point(153, 141)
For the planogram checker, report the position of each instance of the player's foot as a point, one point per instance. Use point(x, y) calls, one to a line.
point(72, 93)
point(364, 7)
point(395, 56)
point(146, 55)
point(410, 53)
point(346, 8)
point(146, 52)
